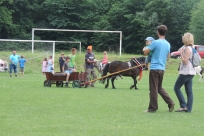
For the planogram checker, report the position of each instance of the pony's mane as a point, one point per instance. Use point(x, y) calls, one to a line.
point(141, 59)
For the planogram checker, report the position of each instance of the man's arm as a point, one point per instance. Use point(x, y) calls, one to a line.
point(63, 68)
point(168, 56)
point(10, 60)
point(146, 51)
point(90, 61)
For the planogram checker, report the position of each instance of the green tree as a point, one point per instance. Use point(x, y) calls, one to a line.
point(5, 18)
point(197, 23)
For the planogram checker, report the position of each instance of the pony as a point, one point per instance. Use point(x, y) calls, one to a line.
point(116, 66)
point(98, 67)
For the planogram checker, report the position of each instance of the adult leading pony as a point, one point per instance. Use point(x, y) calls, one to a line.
point(116, 66)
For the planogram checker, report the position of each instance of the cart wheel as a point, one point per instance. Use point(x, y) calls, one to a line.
point(59, 84)
point(76, 84)
point(47, 83)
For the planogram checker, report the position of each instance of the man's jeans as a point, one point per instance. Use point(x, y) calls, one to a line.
point(14, 67)
point(185, 80)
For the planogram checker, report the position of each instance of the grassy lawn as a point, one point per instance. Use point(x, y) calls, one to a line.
point(29, 109)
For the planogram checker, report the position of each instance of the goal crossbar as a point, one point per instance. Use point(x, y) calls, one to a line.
point(69, 30)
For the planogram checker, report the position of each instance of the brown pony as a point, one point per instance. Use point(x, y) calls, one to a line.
point(116, 66)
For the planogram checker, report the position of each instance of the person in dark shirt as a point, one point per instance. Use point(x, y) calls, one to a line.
point(61, 61)
point(89, 64)
point(66, 69)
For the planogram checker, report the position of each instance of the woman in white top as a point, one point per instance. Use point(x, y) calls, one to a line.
point(186, 74)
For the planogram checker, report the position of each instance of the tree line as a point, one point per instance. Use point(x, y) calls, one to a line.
point(137, 19)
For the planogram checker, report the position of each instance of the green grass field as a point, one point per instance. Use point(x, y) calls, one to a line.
point(29, 109)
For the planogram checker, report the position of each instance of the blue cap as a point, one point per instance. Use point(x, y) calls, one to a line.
point(149, 39)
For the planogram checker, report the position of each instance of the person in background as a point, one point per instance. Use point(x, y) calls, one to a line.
point(72, 63)
point(66, 69)
point(44, 66)
point(186, 74)
point(104, 60)
point(22, 62)
point(13, 63)
point(61, 61)
point(148, 41)
point(89, 60)
point(50, 64)
point(160, 54)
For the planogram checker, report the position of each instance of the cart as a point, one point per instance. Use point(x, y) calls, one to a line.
point(76, 78)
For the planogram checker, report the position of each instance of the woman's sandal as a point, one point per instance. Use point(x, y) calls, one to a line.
point(181, 110)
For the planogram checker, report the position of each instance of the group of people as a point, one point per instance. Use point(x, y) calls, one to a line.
point(158, 52)
point(14, 61)
point(47, 65)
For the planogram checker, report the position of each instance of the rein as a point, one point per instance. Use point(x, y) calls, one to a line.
point(140, 66)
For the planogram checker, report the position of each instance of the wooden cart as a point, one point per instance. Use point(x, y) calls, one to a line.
point(77, 79)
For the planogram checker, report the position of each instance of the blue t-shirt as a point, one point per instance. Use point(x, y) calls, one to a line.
point(160, 49)
point(14, 59)
point(22, 62)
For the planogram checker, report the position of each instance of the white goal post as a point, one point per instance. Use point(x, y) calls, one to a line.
point(42, 41)
point(69, 30)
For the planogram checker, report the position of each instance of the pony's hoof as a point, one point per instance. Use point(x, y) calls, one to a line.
point(136, 88)
point(106, 86)
point(113, 88)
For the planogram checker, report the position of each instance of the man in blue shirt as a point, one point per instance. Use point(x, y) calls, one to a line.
point(160, 54)
point(13, 63)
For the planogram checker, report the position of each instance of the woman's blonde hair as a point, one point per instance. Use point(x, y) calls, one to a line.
point(188, 39)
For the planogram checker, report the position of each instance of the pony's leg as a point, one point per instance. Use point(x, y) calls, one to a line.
point(200, 76)
point(135, 83)
point(112, 80)
point(107, 84)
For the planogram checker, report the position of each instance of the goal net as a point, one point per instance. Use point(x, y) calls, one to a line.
point(23, 49)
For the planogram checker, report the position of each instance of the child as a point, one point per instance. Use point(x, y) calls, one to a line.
point(104, 60)
point(66, 69)
point(148, 41)
point(22, 64)
point(72, 63)
point(44, 66)
point(50, 64)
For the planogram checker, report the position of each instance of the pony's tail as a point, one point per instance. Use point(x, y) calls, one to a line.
point(105, 72)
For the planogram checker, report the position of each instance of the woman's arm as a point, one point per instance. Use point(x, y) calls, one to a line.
point(185, 55)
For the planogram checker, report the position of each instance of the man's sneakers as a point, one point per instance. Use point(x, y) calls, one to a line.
point(171, 107)
point(150, 111)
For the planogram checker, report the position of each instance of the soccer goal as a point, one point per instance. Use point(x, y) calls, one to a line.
point(68, 30)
